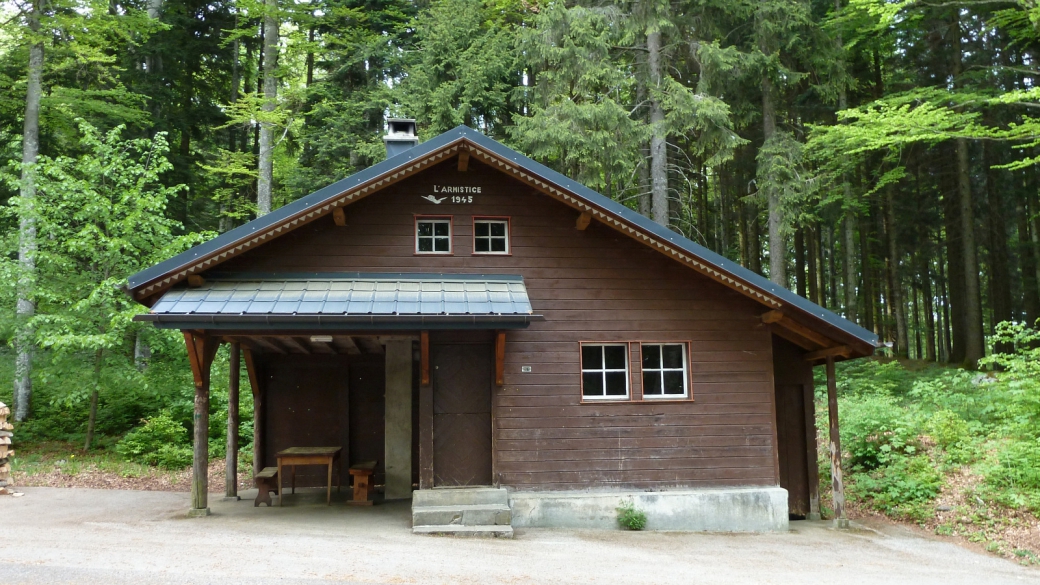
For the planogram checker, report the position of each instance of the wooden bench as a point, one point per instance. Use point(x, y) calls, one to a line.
point(362, 474)
point(266, 482)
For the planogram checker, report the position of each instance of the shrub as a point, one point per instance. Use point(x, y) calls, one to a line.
point(901, 486)
point(160, 441)
point(1013, 476)
point(631, 518)
point(876, 428)
point(953, 435)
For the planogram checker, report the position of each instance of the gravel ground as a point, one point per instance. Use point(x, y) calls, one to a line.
point(55, 535)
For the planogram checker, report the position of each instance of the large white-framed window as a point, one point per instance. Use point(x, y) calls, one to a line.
point(491, 235)
point(433, 235)
point(604, 371)
point(666, 370)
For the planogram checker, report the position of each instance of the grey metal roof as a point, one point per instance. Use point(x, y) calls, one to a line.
point(352, 294)
point(319, 197)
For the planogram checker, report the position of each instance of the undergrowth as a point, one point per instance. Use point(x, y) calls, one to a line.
point(908, 428)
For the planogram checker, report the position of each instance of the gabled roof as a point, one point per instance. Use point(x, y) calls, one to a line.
point(787, 307)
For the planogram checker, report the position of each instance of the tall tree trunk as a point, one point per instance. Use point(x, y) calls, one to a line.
point(142, 353)
point(266, 177)
point(777, 247)
point(866, 270)
point(1034, 235)
point(974, 344)
point(26, 306)
point(658, 136)
point(999, 273)
point(799, 261)
point(1031, 298)
point(92, 418)
point(929, 308)
point(813, 253)
point(945, 302)
point(896, 298)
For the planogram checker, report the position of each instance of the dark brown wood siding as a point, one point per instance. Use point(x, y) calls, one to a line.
point(591, 285)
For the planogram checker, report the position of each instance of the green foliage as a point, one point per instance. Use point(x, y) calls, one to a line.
point(159, 441)
point(630, 517)
point(903, 429)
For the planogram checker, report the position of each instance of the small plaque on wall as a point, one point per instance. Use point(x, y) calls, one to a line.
point(525, 369)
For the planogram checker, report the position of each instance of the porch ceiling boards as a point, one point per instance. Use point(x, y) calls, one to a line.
point(352, 301)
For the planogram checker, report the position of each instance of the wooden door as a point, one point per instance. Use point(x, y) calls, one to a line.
point(462, 380)
point(791, 447)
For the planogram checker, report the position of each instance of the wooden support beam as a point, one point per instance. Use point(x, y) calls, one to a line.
point(271, 345)
point(837, 481)
point(780, 320)
point(369, 345)
point(836, 351)
point(464, 161)
point(424, 358)
point(794, 338)
point(583, 221)
point(303, 346)
point(348, 344)
point(201, 351)
point(231, 463)
point(500, 358)
point(258, 409)
point(808, 400)
point(339, 216)
point(195, 281)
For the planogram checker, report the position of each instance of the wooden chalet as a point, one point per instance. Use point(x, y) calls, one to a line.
point(469, 318)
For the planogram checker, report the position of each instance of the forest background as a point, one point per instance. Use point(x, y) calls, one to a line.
point(878, 157)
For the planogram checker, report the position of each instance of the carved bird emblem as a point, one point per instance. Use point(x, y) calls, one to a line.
point(433, 199)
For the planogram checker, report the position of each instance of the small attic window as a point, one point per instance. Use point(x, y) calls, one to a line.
point(433, 235)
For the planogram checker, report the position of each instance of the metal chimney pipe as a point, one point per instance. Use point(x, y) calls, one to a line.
point(400, 137)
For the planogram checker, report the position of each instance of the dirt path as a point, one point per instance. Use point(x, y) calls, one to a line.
point(55, 535)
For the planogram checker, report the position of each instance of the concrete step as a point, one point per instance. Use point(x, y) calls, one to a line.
point(464, 515)
point(456, 530)
point(463, 496)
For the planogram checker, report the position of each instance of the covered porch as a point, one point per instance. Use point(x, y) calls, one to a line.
point(354, 369)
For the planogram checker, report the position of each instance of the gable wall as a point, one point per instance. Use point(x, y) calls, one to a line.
point(592, 285)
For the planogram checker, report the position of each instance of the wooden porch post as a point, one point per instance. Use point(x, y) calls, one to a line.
point(425, 414)
point(231, 482)
point(201, 351)
point(837, 483)
point(809, 400)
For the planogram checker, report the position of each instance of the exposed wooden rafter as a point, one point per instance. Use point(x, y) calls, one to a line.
point(778, 319)
point(830, 352)
point(583, 220)
point(339, 217)
point(463, 160)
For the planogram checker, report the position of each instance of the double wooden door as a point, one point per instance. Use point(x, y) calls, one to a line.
point(462, 382)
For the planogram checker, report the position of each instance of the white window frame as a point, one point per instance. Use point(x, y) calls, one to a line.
point(489, 237)
point(685, 370)
point(433, 238)
point(604, 370)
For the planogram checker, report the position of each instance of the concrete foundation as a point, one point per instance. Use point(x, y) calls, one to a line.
point(398, 445)
point(758, 509)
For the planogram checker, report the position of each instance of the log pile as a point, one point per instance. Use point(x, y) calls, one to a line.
point(5, 450)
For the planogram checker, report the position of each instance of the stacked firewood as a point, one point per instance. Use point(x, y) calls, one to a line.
point(5, 450)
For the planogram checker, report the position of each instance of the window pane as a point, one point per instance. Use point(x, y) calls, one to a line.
point(615, 357)
point(481, 245)
point(591, 357)
point(426, 244)
point(673, 383)
point(441, 228)
point(425, 228)
point(442, 244)
point(592, 384)
point(673, 356)
point(481, 229)
point(498, 245)
point(651, 356)
point(651, 383)
point(616, 385)
point(498, 229)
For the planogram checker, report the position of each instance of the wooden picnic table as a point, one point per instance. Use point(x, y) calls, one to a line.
point(294, 456)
